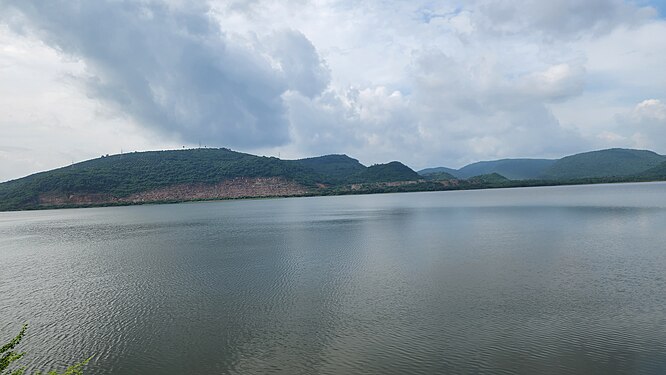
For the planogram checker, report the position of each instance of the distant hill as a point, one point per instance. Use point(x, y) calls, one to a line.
point(514, 169)
point(333, 169)
point(655, 173)
point(616, 162)
point(390, 172)
point(449, 171)
point(439, 176)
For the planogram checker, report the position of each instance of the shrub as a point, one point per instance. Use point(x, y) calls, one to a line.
point(9, 356)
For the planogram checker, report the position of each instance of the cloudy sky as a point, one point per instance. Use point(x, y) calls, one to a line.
point(429, 83)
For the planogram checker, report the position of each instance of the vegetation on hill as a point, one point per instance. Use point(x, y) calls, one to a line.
point(125, 174)
point(656, 173)
point(393, 171)
point(514, 169)
point(333, 169)
point(177, 175)
point(615, 162)
point(494, 178)
point(439, 176)
point(341, 169)
point(435, 170)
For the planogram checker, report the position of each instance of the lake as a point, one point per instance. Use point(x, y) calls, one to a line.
point(550, 280)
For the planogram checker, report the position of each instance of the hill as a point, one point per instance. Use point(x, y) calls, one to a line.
point(180, 175)
point(390, 172)
point(333, 169)
point(429, 171)
point(655, 173)
point(439, 176)
point(121, 176)
point(514, 169)
point(614, 162)
point(200, 174)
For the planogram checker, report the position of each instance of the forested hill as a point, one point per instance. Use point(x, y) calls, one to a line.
point(615, 162)
point(655, 173)
point(610, 163)
point(200, 174)
point(188, 174)
point(333, 169)
point(514, 169)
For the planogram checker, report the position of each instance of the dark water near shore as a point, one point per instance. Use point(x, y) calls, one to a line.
point(538, 280)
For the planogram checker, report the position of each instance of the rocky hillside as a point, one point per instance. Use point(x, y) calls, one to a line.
point(195, 174)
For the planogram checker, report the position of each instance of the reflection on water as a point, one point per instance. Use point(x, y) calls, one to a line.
point(540, 280)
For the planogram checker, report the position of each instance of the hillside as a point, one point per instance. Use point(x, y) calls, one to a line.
point(194, 174)
point(615, 162)
point(514, 169)
point(655, 173)
point(201, 174)
point(439, 176)
point(492, 178)
point(389, 172)
point(123, 175)
point(333, 169)
point(435, 170)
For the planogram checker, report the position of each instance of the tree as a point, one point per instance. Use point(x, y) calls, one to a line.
point(9, 356)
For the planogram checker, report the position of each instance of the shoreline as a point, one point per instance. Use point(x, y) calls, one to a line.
point(371, 189)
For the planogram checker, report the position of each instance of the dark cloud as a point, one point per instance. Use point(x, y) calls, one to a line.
point(173, 69)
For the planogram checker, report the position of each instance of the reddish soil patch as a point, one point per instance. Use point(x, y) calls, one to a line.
point(235, 188)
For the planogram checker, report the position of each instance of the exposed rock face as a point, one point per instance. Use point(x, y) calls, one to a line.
point(234, 188)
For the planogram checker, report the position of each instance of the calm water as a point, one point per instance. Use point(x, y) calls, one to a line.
point(538, 280)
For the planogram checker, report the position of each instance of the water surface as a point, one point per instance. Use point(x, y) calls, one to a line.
point(549, 280)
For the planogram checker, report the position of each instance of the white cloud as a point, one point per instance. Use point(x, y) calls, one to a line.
point(644, 126)
point(651, 110)
point(427, 84)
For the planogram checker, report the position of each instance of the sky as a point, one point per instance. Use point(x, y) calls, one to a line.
point(429, 83)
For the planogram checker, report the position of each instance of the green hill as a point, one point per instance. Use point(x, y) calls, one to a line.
point(179, 175)
point(341, 169)
point(655, 173)
point(389, 172)
point(429, 171)
point(439, 176)
point(197, 174)
point(614, 162)
point(333, 169)
point(514, 169)
point(126, 174)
